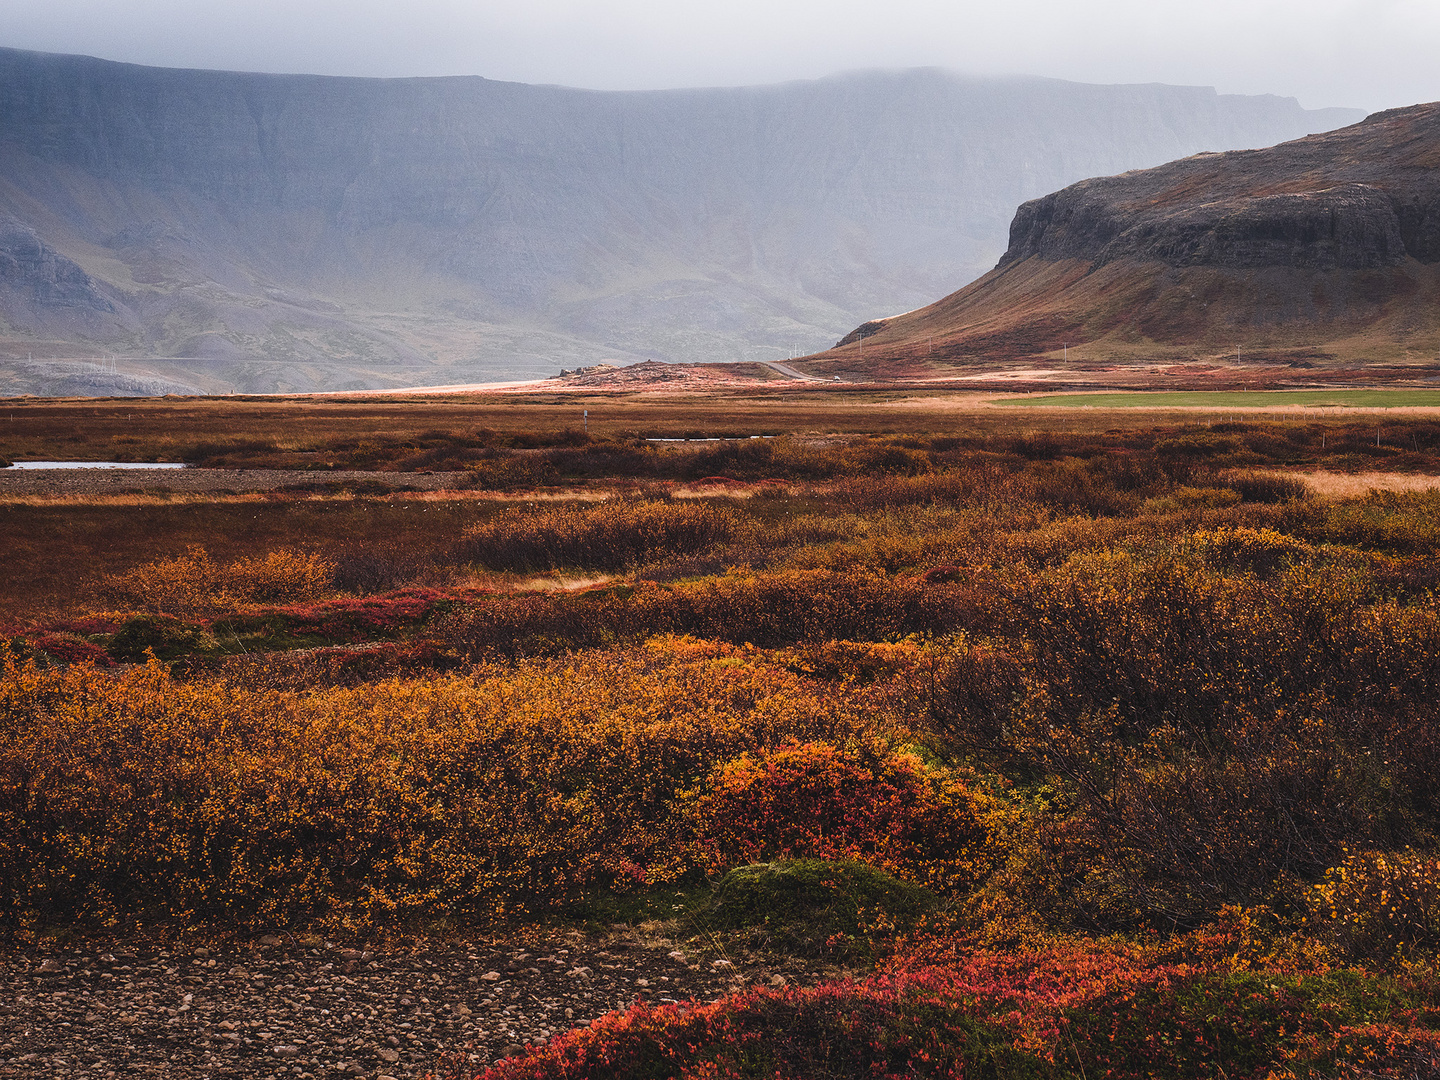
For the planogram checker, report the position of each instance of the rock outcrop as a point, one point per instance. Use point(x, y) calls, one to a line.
point(1330, 243)
point(1361, 198)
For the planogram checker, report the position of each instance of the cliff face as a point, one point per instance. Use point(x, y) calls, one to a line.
point(1331, 242)
point(289, 231)
point(1363, 198)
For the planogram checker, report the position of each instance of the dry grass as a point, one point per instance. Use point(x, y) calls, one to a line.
point(1330, 485)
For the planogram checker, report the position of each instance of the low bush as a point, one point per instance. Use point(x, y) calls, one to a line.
point(759, 608)
point(863, 802)
point(1381, 906)
point(365, 573)
point(284, 576)
point(194, 585)
point(611, 536)
point(1260, 551)
point(1064, 1011)
point(167, 637)
point(512, 790)
point(816, 907)
point(1261, 487)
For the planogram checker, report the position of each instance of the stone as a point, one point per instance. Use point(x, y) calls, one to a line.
point(300, 1015)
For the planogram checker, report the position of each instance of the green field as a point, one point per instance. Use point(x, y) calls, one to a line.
point(1239, 399)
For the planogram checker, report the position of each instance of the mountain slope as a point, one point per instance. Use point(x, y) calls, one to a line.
point(1322, 249)
point(290, 232)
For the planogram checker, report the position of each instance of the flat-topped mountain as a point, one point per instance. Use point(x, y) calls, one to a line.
point(274, 232)
point(1325, 248)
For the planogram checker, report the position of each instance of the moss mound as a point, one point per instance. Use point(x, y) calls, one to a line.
point(816, 906)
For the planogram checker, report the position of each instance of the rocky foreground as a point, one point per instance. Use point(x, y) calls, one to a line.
point(282, 1007)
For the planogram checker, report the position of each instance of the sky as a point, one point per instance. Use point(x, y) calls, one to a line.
point(1373, 54)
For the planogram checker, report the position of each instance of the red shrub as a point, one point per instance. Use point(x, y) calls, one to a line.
point(69, 650)
point(1092, 1010)
point(814, 800)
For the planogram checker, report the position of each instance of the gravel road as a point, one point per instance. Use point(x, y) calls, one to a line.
point(279, 1008)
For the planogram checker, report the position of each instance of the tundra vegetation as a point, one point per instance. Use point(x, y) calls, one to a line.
point(1091, 753)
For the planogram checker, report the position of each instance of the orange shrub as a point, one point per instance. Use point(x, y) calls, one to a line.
point(193, 584)
point(190, 584)
point(512, 790)
point(285, 576)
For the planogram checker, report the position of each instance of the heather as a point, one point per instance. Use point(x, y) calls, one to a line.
point(1088, 754)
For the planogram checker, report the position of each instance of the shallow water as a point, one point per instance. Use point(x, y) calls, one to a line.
point(98, 465)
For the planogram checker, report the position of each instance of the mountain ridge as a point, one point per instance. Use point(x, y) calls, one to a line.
point(323, 232)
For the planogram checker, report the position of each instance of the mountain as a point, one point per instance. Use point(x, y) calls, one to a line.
point(267, 232)
point(1324, 250)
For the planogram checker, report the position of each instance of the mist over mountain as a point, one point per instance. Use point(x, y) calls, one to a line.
point(265, 232)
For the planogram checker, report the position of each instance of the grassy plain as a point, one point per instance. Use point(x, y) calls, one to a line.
point(323, 432)
point(1236, 399)
point(1101, 747)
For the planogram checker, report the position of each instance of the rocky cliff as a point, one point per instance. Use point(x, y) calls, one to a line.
point(1327, 246)
point(1361, 198)
point(289, 232)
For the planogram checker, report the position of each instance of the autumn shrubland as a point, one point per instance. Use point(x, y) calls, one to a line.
point(1102, 754)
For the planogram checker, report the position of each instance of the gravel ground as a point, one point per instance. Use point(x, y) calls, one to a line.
point(281, 1008)
point(63, 482)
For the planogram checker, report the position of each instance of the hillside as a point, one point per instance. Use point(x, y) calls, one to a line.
point(1320, 252)
point(263, 232)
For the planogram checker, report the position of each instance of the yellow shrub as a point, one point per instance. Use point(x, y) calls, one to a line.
point(194, 584)
point(283, 576)
point(1381, 905)
point(1241, 548)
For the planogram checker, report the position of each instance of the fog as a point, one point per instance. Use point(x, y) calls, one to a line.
point(1372, 54)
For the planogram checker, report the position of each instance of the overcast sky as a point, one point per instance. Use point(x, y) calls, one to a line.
point(1368, 53)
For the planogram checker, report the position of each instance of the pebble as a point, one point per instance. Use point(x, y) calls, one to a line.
point(282, 1007)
